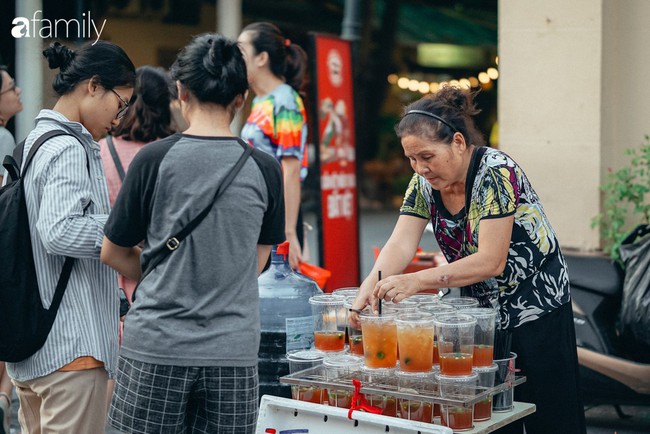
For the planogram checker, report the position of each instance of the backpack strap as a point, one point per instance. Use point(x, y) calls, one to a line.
point(174, 242)
point(116, 158)
point(66, 271)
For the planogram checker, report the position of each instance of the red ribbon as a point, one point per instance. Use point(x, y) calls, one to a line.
point(359, 401)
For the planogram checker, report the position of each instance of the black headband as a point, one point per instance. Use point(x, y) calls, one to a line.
point(422, 112)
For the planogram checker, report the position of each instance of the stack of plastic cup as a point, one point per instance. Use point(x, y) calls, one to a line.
point(461, 303)
point(503, 401)
point(457, 378)
point(330, 318)
point(379, 339)
point(336, 367)
point(300, 360)
point(457, 417)
point(415, 342)
point(483, 334)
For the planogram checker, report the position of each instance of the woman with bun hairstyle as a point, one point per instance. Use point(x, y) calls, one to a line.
point(62, 387)
point(501, 249)
point(148, 119)
point(188, 360)
point(278, 123)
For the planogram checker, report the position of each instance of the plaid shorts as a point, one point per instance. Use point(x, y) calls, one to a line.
point(152, 398)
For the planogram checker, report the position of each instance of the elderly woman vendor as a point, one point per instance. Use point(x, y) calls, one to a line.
point(501, 249)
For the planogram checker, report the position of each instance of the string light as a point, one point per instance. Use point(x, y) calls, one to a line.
point(483, 79)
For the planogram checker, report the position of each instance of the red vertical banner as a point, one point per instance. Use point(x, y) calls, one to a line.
point(335, 140)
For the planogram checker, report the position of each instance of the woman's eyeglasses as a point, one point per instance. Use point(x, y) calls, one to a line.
point(122, 111)
point(12, 87)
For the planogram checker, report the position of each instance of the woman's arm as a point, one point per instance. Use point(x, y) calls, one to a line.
point(292, 191)
point(490, 260)
point(263, 252)
point(126, 260)
point(394, 256)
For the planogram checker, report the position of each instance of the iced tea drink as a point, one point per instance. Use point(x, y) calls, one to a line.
point(415, 342)
point(457, 418)
point(329, 341)
point(387, 404)
point(483, 334)
point(379, 339)
point(455, 334)
point(329, 316)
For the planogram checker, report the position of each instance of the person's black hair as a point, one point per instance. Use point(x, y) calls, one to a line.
point(287, 60)
point(149, 116)
point(457, 109)
point(103, 61)
point(212, 67)
point(3, 68)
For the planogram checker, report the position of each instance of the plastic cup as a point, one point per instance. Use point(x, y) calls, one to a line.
point(425, 299)
point(355, 337)
point(461, 303)
point(387, 403)
point(415, 384)
point(350, 291)
point(503, 401)
point(338, 366)
point(379, 339)
point(415, 342)
point(483, 334)
point(436, 309)
point(404, 306)
point(456, 417)
point(455, 343)
point(486, 376)
point(330, 317)
point(300, 360)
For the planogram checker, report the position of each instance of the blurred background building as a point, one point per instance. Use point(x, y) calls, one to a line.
point(562, 81)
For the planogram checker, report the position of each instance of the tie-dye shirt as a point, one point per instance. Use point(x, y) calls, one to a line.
point(277, 125)
point(535, 280)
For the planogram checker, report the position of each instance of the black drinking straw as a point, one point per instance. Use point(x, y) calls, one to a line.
point(379, 273)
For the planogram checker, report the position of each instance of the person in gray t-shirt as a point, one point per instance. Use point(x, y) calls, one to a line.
point(188, 361)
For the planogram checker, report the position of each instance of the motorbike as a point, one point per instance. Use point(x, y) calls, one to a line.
point(609, 373)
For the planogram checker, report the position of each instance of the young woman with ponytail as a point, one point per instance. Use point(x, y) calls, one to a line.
point(277, 124)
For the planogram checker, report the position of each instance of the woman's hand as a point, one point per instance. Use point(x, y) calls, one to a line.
point(398, 287)
point(364, 298)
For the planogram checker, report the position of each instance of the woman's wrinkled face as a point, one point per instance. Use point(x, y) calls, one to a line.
point(439, 163)
point(100, 112)
point(10, 102)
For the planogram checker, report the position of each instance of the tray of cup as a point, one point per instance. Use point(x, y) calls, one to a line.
point(422, 388)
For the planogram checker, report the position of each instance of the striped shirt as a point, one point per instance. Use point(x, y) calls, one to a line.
point(57, 189)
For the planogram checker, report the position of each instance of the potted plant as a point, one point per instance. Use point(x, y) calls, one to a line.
point(626, 199)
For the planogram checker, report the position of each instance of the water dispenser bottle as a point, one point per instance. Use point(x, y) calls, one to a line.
point(286, 319)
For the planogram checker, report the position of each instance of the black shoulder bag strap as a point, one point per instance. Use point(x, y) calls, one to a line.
point(62, 283)
point(175, 241)
point(116, 158)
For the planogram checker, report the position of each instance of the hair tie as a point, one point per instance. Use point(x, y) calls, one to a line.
point(422, 112)
point(287, 42)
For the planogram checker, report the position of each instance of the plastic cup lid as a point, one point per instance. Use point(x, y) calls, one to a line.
point(304, 356)
point(327, 299)
point(484, 369)
point(342, 361)
point(462, 380)
point(480, 312)
point(454, 320)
